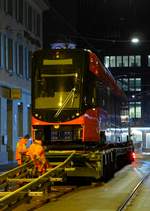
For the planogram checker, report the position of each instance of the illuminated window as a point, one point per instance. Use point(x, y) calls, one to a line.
point(135, 109)
point(149, 60)
point(106, 61)
point(137, 84)
point(138, 61)
point(119, 61)
point(131, 84)
point(134, 84)
point(125, 61)
point(131, 61)
point(138, 109)
point(125, 84)
point(112, 61)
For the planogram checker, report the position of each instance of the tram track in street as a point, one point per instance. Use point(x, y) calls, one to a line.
point(133, 194)
point(33, 193)
point(16, 186)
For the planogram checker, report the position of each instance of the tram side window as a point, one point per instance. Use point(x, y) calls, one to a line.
point(111, 103)
point(90, 90)
point(100, 94)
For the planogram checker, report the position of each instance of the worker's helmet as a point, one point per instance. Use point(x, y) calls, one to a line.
point(38, 142)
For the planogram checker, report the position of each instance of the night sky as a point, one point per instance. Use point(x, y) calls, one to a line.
point(91, 22)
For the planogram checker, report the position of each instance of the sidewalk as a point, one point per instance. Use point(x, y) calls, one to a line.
point(7, 165)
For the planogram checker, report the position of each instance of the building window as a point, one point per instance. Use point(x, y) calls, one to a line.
point(29, 120)
point(119, 61)
point(26, 62)
point(1, 6)
point(137, 84)
point(25, 14)
point(125, 61)
point(10, 55)
point(34, 21)
point(0, 50)
point(112, 61)
point(20, 119)
point(135, 109)
point(20, 60)
point(29, 63)
point(124, 113)
point(30, 18)
point(148, 60)
point(16, 59)
point(10, 7)
point(20, 6)
point(5, 5)
point(0, 117)
point(131, 61)
point(106, 61)
point(138, 109)
point(124, 84)
point(138, 61)
point(134, 84)
point(4, 50)
point(38, 25)
point(16, 9)
point(131, 84)
point(135, 61)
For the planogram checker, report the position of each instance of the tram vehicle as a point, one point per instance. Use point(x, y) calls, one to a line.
point(76, 105)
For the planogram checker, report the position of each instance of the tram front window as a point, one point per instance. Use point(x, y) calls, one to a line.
point(57, 91)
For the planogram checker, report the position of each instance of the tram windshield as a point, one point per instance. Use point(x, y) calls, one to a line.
point(57, 87)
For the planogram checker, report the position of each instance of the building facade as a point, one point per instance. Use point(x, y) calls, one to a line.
point(130, 65)
point(21, 33)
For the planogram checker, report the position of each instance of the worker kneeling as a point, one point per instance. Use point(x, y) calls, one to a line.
point(36, 153)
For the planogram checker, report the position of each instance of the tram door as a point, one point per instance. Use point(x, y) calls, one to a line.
point(9, 130)
point(147, 140)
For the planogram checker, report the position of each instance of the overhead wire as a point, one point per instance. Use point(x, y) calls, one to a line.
point(73, 29)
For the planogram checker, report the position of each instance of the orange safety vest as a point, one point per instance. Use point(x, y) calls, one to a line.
point(20, 150)
point(37, 155)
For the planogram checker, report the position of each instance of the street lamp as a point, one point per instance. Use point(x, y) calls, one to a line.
point(135, 40)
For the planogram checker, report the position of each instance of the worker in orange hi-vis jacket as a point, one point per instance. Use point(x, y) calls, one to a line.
point(36, 153)
point(21, 149)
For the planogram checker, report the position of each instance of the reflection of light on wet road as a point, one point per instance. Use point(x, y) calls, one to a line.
point(141, 165)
